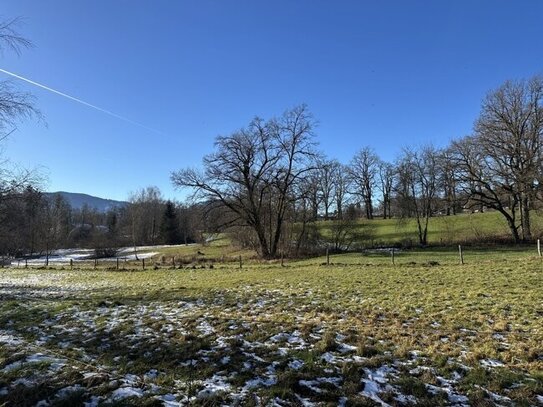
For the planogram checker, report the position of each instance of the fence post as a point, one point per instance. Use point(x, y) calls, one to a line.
point(392, 255)
point(539, 247)
point(143, 264)
point(71, 264)
point(117, 263)
point(240, 262)
point(46, 259)
point(26, 263)
point(173, 261)
point(461, 254)
point(327, 256)
point(95, 263)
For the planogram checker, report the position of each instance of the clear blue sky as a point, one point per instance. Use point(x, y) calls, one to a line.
point(379, 73)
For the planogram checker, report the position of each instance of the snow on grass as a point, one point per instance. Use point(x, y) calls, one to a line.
point(54, 363)
point(491, 363)
point(212, 387)
point(295, 364)
point(125, 392)
point(169, 400)
point(376, 382)
point(9, 339)
point(64, 256)
point(236, 336)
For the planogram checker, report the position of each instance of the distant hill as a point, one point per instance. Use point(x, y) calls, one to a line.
point(77, 201)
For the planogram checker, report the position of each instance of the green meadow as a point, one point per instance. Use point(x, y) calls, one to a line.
point(358, 331)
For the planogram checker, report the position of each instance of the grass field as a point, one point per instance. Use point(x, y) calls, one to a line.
point(473, 228)
point(359, 331)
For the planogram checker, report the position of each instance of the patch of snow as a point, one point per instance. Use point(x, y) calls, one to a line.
point(214, 385)
point(93, 402)
point(140, 256)
point(292, 339)
point(205, 328)
point(130, 379)
point(491, 363)
point(311, 385)
point(191, 362)
point(169, 400)
point(495, 396)
point(406, 399)
point(55, 364)
point(498, 337)
point(12, 366)
point(295, 364)
point(374, 384)
point(10, 340)
point(151, 374)
point(453, 397)
point(23, 381)
point(345, 348)
point(125, 392)
point(328, 357)
point(304, 402)
point(259, 381)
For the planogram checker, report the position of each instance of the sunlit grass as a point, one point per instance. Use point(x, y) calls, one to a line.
point(454, 318)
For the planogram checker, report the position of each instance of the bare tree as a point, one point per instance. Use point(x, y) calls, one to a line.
point(386, 173)
point(418, 172)
point(363, 169)
point(510, 132)
point(10, 39)
point(342, 183)
point(482, 185)
point(311, 190)
point(145, 211)
point(325, 169)
point(14, 104)
point(448, 182)
point(253, 173)
point(501, 163)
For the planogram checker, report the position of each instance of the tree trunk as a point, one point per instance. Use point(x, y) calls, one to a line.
point(369, 209)
point(525, 218)
point(512, 227)
point(261, 234)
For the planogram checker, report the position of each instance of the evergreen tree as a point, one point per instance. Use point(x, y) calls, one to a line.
point(169, 229)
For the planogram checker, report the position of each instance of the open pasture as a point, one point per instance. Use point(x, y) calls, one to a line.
point(357, 332)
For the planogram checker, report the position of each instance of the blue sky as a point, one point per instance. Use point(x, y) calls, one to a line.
point(379, 73)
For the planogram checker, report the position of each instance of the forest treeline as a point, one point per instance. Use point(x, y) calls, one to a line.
point(34, 223)
point(269, 181)
point(268, 185)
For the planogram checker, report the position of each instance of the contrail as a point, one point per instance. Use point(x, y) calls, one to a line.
point(80, 101)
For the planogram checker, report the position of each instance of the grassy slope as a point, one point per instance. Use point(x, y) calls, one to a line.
point(447, 229)
point(427, 323)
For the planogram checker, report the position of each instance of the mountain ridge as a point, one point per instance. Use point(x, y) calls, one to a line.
point(77, 200)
